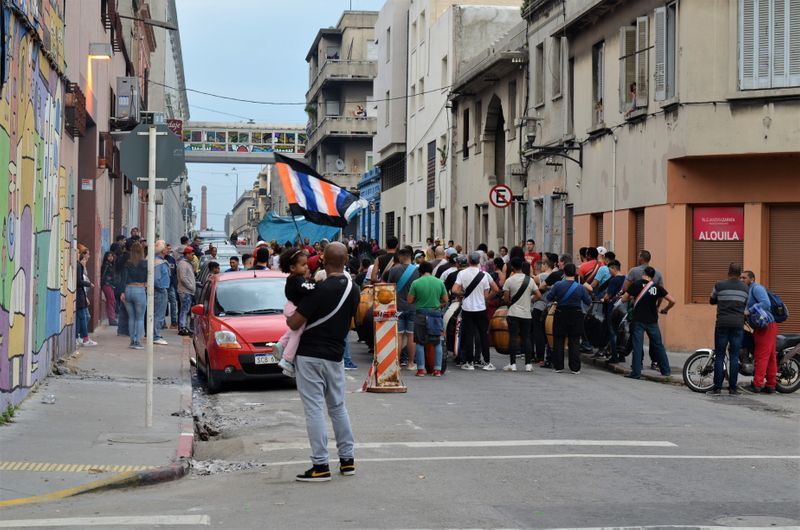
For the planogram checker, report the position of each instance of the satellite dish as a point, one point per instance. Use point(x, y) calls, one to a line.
point(339, 164)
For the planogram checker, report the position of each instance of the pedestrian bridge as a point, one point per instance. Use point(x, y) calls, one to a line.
point(241, 143)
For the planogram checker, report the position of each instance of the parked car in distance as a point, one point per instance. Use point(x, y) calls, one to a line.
point(238, 319)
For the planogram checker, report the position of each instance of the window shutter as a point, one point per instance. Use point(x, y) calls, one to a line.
point(627, 66)
point(747, 36)
point(659, 72)
point(642, 55)
point(793, 40)
point(762, 43)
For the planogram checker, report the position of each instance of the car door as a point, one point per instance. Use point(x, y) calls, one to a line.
point(201, 324)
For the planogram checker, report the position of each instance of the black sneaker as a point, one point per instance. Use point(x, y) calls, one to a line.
point(613, 360)
point(769, 390)
point(734, 391)
point(347, 466)
point(714, 392)
point(755, 389)
point(654, 366)
point(318, 473)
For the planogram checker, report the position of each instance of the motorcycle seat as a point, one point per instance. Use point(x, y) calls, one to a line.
point(787, 341)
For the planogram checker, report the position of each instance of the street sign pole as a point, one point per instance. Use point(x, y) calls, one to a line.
point(151, 256)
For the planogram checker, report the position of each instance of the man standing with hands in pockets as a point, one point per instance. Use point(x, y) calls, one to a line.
point(327, 313)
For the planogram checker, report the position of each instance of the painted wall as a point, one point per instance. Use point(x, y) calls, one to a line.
point(37, 196)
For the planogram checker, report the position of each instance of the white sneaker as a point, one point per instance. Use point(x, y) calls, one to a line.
point(510, 368)
point(576, 372)
point(161, 342)
point(468, 366)
point(78, 342)
point(411, 367)
point(288, 367)
point(89, 342)
point(489, 367)
point(277, 350)
point(529, 368)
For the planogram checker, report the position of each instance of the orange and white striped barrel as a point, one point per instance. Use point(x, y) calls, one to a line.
point(385, 375)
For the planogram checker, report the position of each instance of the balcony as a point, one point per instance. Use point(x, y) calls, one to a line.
point(337, 70)
point(342, 127)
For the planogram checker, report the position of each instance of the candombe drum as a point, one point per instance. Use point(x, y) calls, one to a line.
point(548, 324)
point(595, 326)
point(450, 318)
point(365, 303)
point(498, 330)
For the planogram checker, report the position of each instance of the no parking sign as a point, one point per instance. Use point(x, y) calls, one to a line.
point(501, 196)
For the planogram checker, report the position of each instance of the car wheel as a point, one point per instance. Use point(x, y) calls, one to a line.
point(212, 383)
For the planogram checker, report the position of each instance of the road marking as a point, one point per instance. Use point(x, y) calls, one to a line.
point(134, 520)
point(480, 443)
point(552, 456)
point(693, 526)
point(47, 467)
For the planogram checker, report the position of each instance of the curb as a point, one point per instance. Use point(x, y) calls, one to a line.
point(618, 369)
point(185, 449)
point(128, 479)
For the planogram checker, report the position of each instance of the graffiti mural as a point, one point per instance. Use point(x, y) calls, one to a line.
point(37, 197)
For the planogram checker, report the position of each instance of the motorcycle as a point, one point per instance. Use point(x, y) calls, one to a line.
point(698, 370)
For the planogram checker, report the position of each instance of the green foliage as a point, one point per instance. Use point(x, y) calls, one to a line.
point(7, 414)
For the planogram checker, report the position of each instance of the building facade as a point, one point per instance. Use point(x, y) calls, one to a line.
point(682, 120)
point(342, 64)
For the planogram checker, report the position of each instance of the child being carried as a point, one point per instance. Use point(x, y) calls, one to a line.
point(294, 262)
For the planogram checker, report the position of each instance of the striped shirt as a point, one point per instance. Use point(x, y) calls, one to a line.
point(730, 297)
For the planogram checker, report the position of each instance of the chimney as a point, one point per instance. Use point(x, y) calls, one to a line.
point(203, 208)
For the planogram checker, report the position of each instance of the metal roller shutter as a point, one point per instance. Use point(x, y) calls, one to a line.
point(598, 234)
point(638, 235)
point(784, 255)
point(710, 261)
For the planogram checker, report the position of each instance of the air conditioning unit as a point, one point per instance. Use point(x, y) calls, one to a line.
point(127, 109)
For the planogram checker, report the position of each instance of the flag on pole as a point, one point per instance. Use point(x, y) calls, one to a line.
point(319, 200)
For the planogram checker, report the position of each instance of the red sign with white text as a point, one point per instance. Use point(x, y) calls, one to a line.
point(719, 224)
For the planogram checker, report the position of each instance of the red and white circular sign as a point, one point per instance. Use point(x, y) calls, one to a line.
point(500, 196)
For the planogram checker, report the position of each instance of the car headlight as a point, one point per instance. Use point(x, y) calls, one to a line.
point(226, 339)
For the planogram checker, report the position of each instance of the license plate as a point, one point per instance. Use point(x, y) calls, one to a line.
point(266, 359)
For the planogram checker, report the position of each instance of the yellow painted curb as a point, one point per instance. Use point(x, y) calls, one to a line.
point(115, 480)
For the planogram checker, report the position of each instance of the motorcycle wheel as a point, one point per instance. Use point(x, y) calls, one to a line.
point(788, 376)
point(698, 372)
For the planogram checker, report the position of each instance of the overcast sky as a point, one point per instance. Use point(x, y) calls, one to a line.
point(250, 49)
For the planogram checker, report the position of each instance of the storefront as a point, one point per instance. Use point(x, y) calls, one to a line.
point(369, 219)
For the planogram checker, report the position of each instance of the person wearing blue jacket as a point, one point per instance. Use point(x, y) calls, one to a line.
point(766, 364)
point(569, 296)
point(162, 282)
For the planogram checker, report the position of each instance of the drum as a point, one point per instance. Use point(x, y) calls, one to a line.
point(595, 326)
point(622, 326)
point(548, 324)
point(365, 303)
point(450, 318)
point(498, 330)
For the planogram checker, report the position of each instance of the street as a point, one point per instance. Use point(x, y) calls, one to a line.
point(481, 450)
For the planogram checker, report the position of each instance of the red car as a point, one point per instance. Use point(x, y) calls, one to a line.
point(237, 322)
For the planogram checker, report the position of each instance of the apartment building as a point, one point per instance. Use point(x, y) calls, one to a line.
point(680, 121)
point(342, 63)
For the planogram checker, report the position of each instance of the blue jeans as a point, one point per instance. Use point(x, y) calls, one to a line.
point(135, 305)
point(321, 382)
point(172, 295)
point(348, 361)
point(420, 356)
point(186, 306)
point(722, 338)
point(657, 350)
point(160, 314)
point(122, 318)
point(82, 323)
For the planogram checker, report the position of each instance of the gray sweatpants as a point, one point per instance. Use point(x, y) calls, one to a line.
point(319, 382)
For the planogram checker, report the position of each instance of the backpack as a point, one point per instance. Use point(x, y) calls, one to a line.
point(777, 307)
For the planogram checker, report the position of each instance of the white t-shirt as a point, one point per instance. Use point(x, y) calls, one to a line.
point(276, 262)
point(521, 309)
point(476, 301)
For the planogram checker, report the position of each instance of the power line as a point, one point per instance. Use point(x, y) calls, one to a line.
point(220, 112)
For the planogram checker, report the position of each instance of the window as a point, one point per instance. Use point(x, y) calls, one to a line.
point(445, 74)
point(598, 52)
point(412, 98)
point(478, 117)
point(633, 69)
point(332, 53)
point(411, 165)
point(512, 110)
point(769, 44)
point(597, 219)
point(431, 174)
point(393, 173)
point(465, 139)
point(421, 93)
point(664, 76)
point(423, 29)
point(413, 35)
point(388, 106)
point(556, 58)
point(421, 162)
point(388, 225)
point(571, 95)
point(332, 108)
point(372, 50)
point(388, 45)
point(538, 87)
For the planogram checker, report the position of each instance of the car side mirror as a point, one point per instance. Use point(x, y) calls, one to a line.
point(198, 310)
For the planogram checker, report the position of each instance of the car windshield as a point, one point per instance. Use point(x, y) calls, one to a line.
point(250, 296)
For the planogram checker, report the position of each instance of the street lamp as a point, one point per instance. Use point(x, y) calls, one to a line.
point(233, 170)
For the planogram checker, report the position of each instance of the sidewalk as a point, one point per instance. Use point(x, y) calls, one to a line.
point(93, 437)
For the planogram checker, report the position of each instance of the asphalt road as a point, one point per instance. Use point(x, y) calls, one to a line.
point(481, 450)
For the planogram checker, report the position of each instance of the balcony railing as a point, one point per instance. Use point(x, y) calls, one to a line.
point(338, 70)
point(341, 126)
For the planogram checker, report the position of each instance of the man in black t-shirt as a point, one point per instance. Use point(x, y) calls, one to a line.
point(646, 295)
point(385, 262)
point(327, 313)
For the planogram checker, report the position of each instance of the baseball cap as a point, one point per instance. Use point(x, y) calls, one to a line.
point(602, 250)
point(262, 243)
point(450, 252)
point(188, 250)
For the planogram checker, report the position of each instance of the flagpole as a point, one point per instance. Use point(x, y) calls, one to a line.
point(299, 235)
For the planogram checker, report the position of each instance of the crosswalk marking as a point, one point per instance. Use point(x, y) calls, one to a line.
point(111, 521)
point(482, 443)
point(51, 467)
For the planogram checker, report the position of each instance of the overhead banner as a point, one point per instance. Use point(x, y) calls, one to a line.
point(715, 223)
